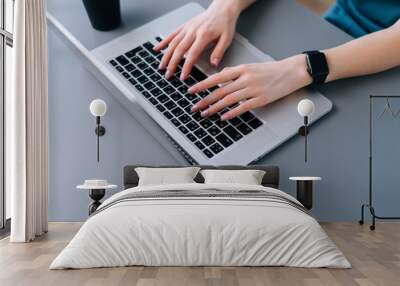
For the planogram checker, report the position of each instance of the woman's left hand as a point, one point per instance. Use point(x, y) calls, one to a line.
point(251, 85)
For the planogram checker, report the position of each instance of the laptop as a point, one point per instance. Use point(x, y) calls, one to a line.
point(130, 62)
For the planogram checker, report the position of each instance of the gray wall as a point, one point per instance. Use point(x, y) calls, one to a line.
point(338, 143)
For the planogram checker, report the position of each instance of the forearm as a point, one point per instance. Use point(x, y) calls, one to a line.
point(234, 6)
point(370, 54)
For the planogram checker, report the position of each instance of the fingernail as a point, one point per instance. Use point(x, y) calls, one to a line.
point(215, 62)
point(224, 117)
point(182, 77)
point(168, 74)
point(204, 113)
point(191, 89)
point(195, 108)
point(161, 66)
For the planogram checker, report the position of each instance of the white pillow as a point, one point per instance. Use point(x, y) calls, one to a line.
point(164, 176)
point(248, 177)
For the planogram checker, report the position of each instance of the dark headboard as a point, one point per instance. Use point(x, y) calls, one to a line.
point(271, 177)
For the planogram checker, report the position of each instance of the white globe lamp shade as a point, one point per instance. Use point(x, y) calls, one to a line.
point(305, 107)
point(98, 107)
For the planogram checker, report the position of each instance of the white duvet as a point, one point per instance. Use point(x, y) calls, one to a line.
point(200, 231)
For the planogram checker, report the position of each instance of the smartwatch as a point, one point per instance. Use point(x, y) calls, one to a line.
point(317, 66)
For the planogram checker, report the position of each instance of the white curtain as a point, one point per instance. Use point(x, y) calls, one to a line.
point(27, 123)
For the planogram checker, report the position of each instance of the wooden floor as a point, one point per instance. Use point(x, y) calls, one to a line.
point(375, 257)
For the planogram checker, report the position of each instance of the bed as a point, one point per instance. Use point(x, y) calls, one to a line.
point(201, 224)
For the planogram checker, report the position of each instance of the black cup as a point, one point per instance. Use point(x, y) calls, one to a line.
point(104, 15)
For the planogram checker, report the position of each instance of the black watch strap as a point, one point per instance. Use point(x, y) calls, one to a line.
point(317, 66)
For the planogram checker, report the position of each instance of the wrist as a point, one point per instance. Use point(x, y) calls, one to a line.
point(232, 8)
point(297, 70)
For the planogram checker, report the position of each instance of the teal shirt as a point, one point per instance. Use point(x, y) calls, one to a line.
point(360, 17)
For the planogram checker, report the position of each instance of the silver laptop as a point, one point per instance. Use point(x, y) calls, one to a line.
point(131, 64)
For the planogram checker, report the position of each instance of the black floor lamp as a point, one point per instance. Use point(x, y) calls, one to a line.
point(388, 109)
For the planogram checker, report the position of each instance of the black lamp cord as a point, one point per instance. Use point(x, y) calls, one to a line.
point(305, 137)
point(98, 137)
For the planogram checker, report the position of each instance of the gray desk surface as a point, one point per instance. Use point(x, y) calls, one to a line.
point(338, 143)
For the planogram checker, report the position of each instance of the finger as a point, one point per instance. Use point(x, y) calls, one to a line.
point(192, 56)
point(161, 45)
point(178, 54)
point(171, 48)
point(242, 108)
point(225, 75)
point(228, 100)
point(216, 95)
point(219, 50)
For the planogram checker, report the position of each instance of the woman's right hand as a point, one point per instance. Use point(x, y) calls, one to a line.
point(215, 25)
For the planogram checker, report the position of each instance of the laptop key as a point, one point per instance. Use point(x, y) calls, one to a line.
point(244, 129)
point(142, 66)
point(176, 96)
point(142, 79)
point(183, 103)
point(255, 123)
point(168, 115)
point(136, 73)
point(170, 105)
point(149, 85)
point(191, 137)
point(175, 122)
point(133, 52)
point(122, 60)
point(130, 67)
point(221, 124)
point(119, 68)
point(190, 96)
point(190, 81)
point(231, 132)
point(203, 93)
point(169, 89)
point(224, 140)
point(156, 92)
point(177, 111)
point(149, 71)
point(197, 74)
point(136, 60)
point(196, 116)
point(153, 101)
point(162, 83)
point(235, 121)
point(163, 98)
point(199, 145)
point(200, 133)
point(216, 148)
point(155, 65)
point(183, 89)
point(192, 125)
point(146, 94)
point(213, 130)
point(144, 54)
point(159, 39)
point(126, 75)
point(208, 140)
point(139, 87)
point(183, 129)
point(149, 59)
point(155, 77)
point(188, 109)
point(208, 153)
point(132, 81)
point(176, 82)
point(206, 123)
point(184, 118)
point(247, 116)
point(113, 63)
point(160, 108)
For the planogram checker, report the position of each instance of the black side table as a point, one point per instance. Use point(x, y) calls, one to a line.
point(97, 190)
point(304, 192)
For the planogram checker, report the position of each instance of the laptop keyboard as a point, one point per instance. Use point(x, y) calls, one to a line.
point(211, 136)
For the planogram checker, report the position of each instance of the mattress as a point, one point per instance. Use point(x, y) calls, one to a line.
point(201, 225)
